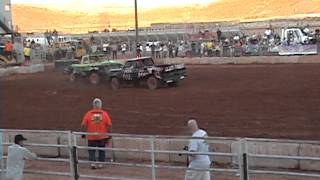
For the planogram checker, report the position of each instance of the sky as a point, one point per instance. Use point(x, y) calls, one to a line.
point(91, 6)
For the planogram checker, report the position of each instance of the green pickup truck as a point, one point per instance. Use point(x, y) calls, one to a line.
point(92, 67)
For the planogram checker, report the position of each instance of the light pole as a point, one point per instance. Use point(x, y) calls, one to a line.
point(137, 26)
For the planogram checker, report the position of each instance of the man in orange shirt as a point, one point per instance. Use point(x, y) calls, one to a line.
point(8, 49)
point(97, 121)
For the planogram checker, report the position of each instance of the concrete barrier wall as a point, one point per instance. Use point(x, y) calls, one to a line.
point(270, 148)
point(242, 60)
point(22, 70)
point(222, 146)
point(309, 150)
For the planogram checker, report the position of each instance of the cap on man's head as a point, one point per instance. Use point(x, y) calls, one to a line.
point(97, 103)
point(19, 138)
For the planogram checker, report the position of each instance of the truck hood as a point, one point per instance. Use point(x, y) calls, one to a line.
point(103, 63)
point(170, 67)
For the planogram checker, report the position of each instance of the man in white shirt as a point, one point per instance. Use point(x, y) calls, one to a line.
point(17, 154)
point(201, 146)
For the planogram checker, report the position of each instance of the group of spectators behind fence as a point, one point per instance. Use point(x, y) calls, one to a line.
point(219, 46)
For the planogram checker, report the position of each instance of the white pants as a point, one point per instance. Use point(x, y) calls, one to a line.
point(197, 175)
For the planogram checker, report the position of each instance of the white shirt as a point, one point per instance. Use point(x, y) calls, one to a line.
point(15, 162)
point(199, 145)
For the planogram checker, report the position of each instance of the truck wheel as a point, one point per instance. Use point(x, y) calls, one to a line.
point(94, 78)
point(115, 84)
point(153, 83)
point(73, 77)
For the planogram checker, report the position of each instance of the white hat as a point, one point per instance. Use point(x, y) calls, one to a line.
point(97, 103)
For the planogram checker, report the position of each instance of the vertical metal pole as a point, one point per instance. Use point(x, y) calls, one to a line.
point(137, 26)
point(71, 163)
point(75, 162)
point(153, 162)
point(1, 156)
point(243, 165)
point(246, 160)
point(240, 159)
point(75, 157)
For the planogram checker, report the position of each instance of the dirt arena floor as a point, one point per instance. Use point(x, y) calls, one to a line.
point(270, 101)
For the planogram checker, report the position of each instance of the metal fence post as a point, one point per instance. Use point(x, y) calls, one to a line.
point(71, 155)
point(243, 160)
point(153, 162)
point(75, 162)
point(1, 156)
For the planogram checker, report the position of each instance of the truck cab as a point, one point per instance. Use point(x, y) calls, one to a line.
point(139, 70)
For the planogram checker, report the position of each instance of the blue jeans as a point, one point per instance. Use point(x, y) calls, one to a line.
point(92, 153)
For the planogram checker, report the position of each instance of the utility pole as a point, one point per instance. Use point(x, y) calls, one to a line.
point(137, 26)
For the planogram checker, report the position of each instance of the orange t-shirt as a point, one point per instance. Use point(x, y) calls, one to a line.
point(96, 121)
point(8, 47)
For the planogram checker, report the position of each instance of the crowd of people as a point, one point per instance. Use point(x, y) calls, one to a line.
point(217, 44)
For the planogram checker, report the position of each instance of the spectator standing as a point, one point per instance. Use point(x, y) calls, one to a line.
point(198, 144)
point(177, 49)
point(164, 51)
point(17, 154)
point(123, 49)
point(158, 49)
point(97, 121)
point(114, 49)
point(202, 49)
point(27, 54)
point(153, 50)
point(170, 49)
point(8, 49)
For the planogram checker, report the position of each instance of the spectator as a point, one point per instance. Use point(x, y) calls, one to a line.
point(97, 121)
point(203, 45)
point(123, 49)
point(8, 49)
point(219, 34)
point(139, 50)
point(27, 54)
point(157, 50)
point(114, 49)
point(17, 154)
point(197, 144)
point(177, 47)
point(164, 51)
point(153, 50)
point(170, 49)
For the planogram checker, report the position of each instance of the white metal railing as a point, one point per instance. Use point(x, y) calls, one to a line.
point(152, 152)
point(284, 157)
point(243, 155)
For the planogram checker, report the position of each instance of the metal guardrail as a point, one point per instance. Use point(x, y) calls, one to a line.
point(242, 169)
point(284, 157)
point(61, 160)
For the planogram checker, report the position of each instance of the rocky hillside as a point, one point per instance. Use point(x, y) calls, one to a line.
point(34, 18)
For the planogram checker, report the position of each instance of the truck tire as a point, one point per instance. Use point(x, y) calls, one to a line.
point(153, 83)
point(94, 78)
point(115, 84)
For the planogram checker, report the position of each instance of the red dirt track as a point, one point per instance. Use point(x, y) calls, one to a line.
point(271, 101)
